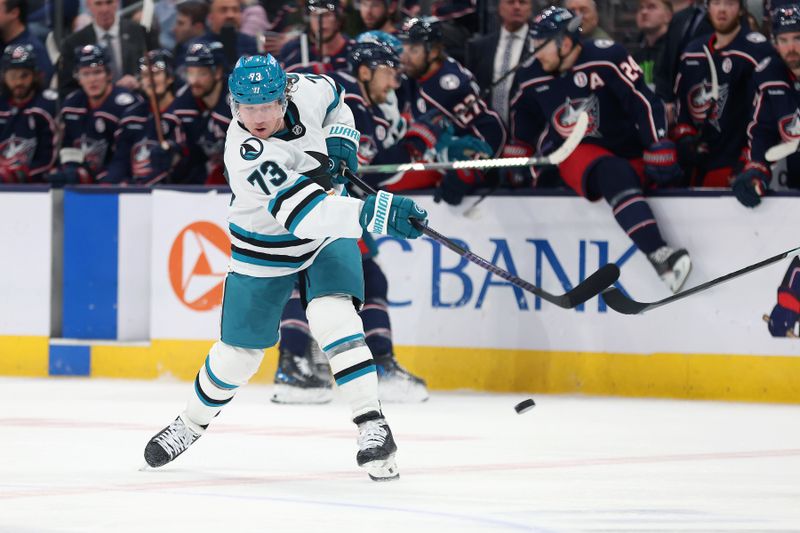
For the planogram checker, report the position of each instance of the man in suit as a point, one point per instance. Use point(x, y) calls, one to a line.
point(510, 46)
point(125, 40)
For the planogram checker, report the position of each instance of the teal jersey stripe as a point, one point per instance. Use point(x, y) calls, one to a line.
point(282, 192)
point(218, 382)
point(261, 236)
point(264, 262)
point(306, 210)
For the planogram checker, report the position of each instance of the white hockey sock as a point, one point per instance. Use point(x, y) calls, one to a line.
point(225, 370)
point(338, 329)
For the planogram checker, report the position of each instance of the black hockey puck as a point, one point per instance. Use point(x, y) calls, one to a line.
point(524, 405)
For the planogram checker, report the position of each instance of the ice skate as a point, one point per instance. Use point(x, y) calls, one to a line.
point(295, 381)
point(673, 266)
point(376, 447)
point(398, 385)
point(171, 441)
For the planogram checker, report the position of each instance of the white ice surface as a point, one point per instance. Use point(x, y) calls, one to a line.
point(71, 449)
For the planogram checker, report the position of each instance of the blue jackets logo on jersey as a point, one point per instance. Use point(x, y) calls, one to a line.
point(251, 149)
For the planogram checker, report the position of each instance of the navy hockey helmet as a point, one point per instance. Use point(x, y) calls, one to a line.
point(371, 54)
point(159, 60)
point(555, 22)
point(786, 19)
point(91, 55)
point(318, 7)
point(205, 54)
point(421, 30)
point(381, 37)
point(19, 56)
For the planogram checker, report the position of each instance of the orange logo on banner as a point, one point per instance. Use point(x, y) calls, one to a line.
point(198, 263)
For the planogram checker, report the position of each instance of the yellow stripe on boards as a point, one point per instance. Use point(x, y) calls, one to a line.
point(24, 356)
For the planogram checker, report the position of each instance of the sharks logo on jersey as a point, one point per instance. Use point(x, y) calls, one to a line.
point(251, 149)
point(566, 115)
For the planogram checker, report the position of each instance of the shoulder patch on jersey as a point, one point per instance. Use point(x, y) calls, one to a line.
point(603, 43)
point(124, 99)
point(764, 63)
point(251, 149)
point(50, 94)
point(755, 37)
point(449, 82)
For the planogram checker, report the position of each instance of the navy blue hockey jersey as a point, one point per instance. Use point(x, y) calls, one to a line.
point(93, 130)
point(776, 109)
point(625, 117)
point(720, 123)
point(454, 92)
point(131, 162)
point(27, 138)
point(201, 132)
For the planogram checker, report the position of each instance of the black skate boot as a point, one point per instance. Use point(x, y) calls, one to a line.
point(398, 385)
point(673, 266)
point(295, 381)
point(171, 441)
point(376, 447)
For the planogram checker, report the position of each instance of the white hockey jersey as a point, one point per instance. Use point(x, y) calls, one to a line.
point(284, 209)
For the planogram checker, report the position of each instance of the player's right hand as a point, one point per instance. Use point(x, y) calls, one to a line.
point(751, 184)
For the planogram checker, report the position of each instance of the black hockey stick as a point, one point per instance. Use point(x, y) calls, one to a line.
point(619, 302)
point(585, 290)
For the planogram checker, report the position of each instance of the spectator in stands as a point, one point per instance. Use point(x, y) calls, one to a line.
point(90, 117)
point(652, 19)
point(27, 119)
point(379, 15)
point(590, 19)
point(190, 25)
point(689, 21)
point(324, 23)
point(125, 40)
point(13, 31)
point(224, 20)
point(254, 19)
point(165, 13)
point(509, 46)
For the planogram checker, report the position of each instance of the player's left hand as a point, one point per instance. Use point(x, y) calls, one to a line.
point(341, 148)
point(661, 162)
point(751, 184)
point(784, 315)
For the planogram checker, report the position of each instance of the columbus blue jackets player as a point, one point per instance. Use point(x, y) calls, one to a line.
point(375, 69)
point(785, 314)
point(304, 53)
point(289, 224)
point(91, 117)
point(625, 137)
point(200, 115)
point(711, 134)
point(776, 109)
point(27, 119)
point(442, 89)
point(139, 156)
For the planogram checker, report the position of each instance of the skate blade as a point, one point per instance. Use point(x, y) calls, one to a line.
point(676, 277)
point(396, 391)
point(295, 395)
point(382, 470)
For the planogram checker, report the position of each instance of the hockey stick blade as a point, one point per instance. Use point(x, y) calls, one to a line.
point(619, 302)
point(781, 151)
point(591, 286)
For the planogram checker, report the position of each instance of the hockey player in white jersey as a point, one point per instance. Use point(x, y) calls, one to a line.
point(290, 219)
